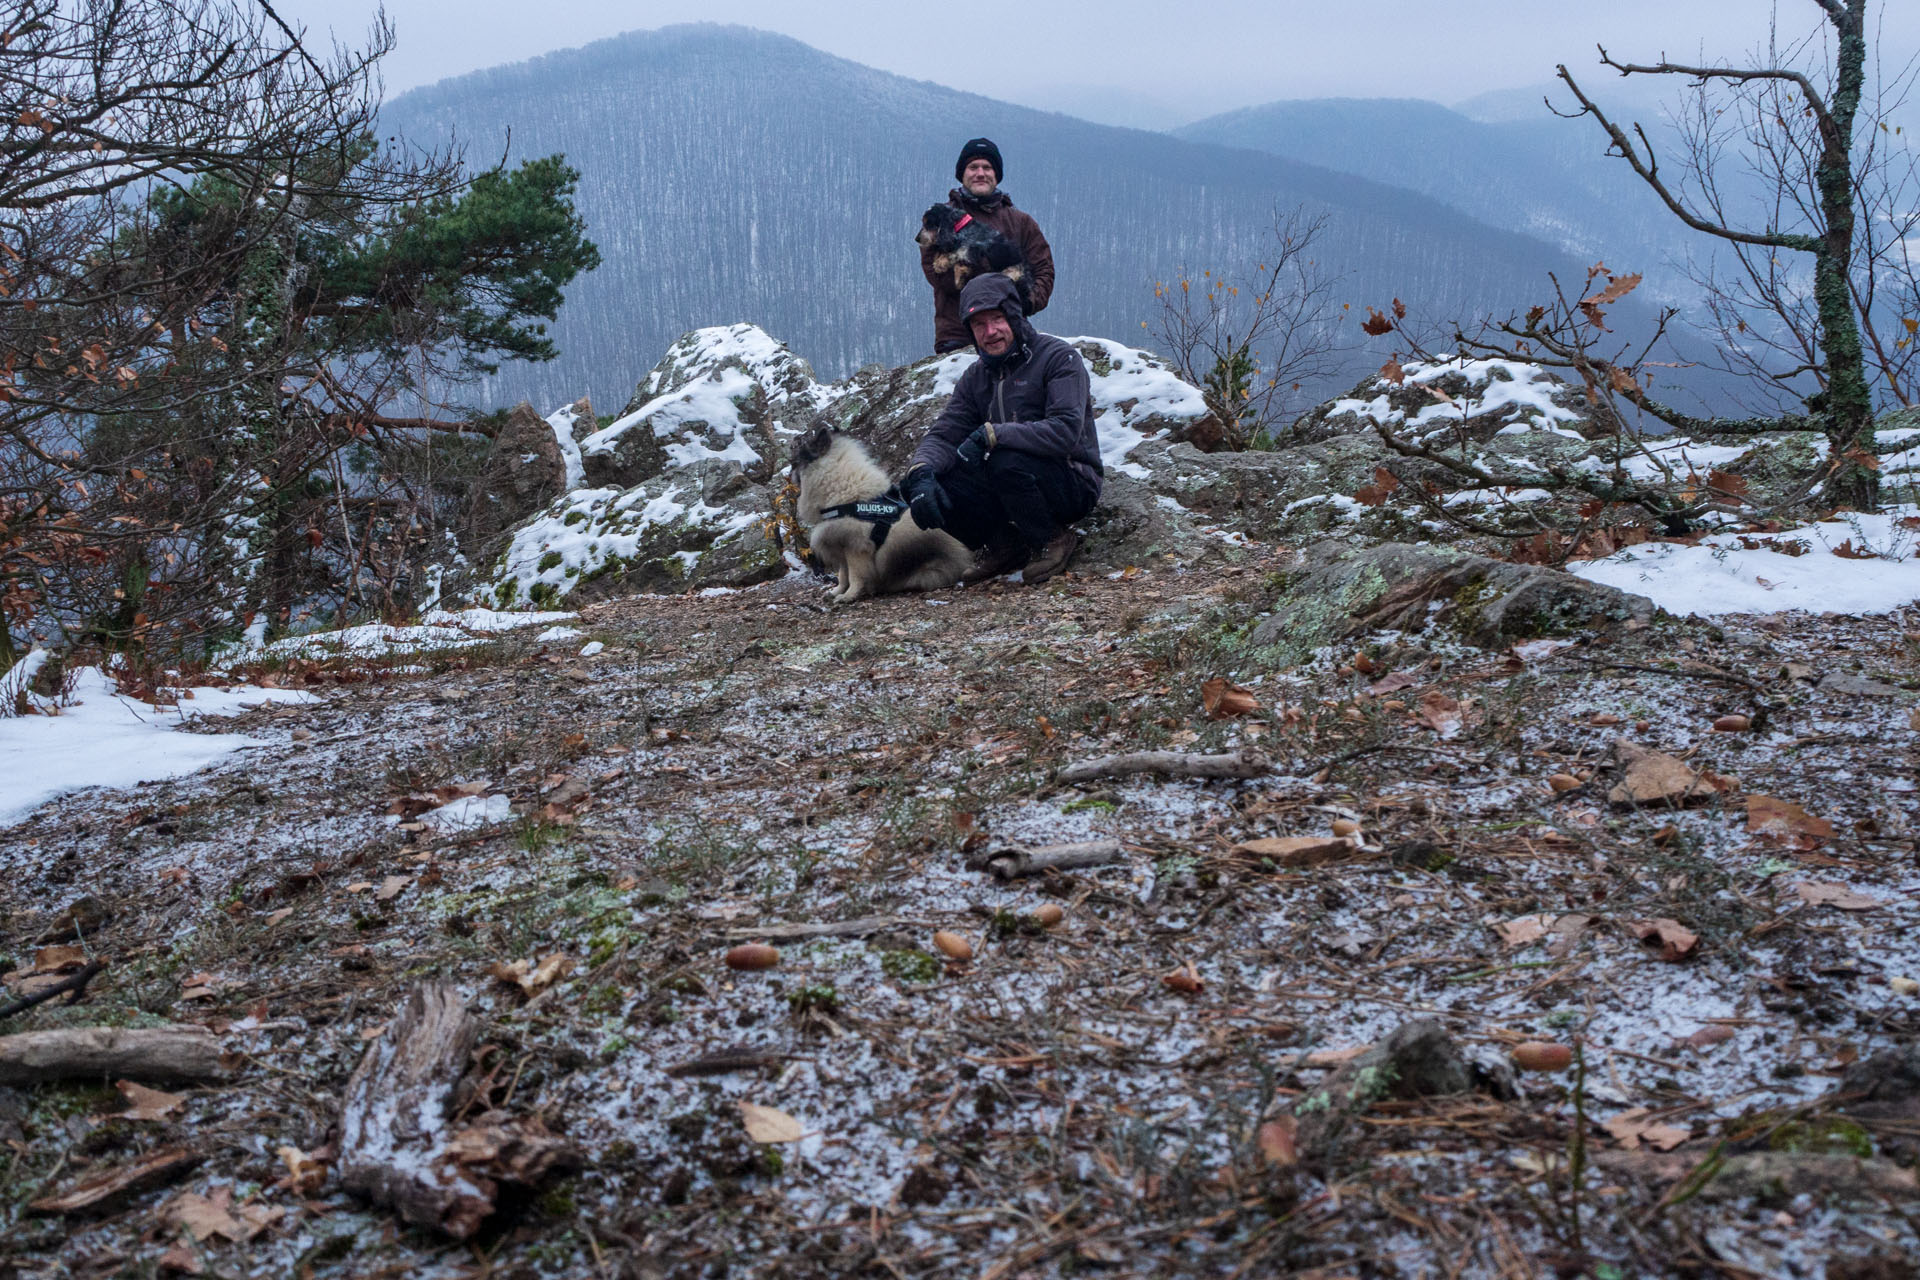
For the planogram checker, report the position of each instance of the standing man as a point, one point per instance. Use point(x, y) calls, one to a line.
point(1014, 459)
point(978, 172)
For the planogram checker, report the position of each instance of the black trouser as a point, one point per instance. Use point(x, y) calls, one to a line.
point(1014, 497)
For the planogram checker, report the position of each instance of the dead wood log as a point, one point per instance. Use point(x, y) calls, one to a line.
point(398, 1146)
point(1017, 861)
point(112, 1053)
point(103, 1191)
point(1244, 763)
point(859, 928)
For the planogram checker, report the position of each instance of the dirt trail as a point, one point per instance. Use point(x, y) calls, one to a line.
point(730, 763)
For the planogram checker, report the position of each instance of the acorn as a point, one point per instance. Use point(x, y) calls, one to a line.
point(953, 946)
point(1184, 980)
point(752, 955)
point(1345, 827)
point(1563, 782)
point(1733, 724)
point(1542, 1055)
point(1048, 915)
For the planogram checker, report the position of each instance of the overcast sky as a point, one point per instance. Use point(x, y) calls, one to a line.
point(1141, 62)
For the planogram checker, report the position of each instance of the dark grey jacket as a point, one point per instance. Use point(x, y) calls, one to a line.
point(1038, 396)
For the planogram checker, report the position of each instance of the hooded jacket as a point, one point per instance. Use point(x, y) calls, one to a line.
point(997, 211)
point(1038, 396)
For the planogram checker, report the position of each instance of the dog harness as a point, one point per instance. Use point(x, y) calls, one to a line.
point(880, 513)
point(965, 218)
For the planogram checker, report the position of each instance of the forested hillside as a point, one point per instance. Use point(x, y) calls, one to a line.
point(730, 175)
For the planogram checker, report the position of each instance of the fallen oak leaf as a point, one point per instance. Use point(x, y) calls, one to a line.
point(1783, 820)
point(1631, 1128)
point(1675, 940)
point(1276, 1142)
point(769, 1124)
point(533, 978)
point(145, 1103)
point(1816, 893)
point(1707, 1036)
point(1224, 700)
point(1521, 930)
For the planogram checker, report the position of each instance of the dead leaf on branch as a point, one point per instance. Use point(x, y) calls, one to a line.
point(1373, 495)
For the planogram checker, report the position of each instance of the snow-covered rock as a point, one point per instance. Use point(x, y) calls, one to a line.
point(1451, 399)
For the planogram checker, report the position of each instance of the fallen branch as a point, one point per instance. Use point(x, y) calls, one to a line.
point(111, 1053)
point(1016, 861)
point(105, 1191)
point(825, 929)
point(397, 1147)
point(1244, 763)
point(75, 982)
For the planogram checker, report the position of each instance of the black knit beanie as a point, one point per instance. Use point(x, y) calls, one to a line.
point(979, 149)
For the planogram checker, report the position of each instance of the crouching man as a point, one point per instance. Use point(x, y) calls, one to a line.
point(1013, 460)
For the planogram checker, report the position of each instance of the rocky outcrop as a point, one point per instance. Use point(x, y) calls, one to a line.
point(1458, 399)
point(1341, 591)
point(524, 471)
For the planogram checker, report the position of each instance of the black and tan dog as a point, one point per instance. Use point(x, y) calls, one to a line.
point(966, 246)
point(868, 539)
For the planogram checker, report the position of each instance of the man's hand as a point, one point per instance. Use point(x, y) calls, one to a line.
point(925, 498)
point(974, 449)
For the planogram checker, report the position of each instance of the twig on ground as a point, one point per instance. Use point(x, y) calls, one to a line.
point(1244, 763)
point(1701, 672)
point(859, 928)
point(74, 983)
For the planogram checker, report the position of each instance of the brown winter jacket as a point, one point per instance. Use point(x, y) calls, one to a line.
point(997, 211)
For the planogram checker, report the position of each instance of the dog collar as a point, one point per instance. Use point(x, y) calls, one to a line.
point(881, 514)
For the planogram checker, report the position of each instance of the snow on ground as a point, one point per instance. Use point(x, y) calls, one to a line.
point(1742, 573)
point(101, 739)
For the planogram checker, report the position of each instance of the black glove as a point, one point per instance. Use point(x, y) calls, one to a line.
point(974, 449)
point(925, 498)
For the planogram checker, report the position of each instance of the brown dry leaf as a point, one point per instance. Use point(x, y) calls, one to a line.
point(1567, 932)
point(182, 1259)
point(305, 1173)
point(1817, 893)
point(767, 1124)
point(1440, 713)
point(1521, 930)
point(390, 888)
point(1276, 1142)
point(1297, 851)
point(147, 1104)
point(1373, 495)
point(206, 1217)
point(1675, 940)
point(1654, 777)
point(1618, 288)
point(1224, 700)
point(1328, 1058)
point(1913, 719)
point(533, 978)
point(1708, 1036)
point(1782, 820)
point(59, 959)
point(1631, 1128)
point(1393, 684)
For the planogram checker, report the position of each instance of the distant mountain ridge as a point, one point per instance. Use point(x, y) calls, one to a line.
point(733, 175)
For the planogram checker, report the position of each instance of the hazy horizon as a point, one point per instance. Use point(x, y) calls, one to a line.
point(1132, 62)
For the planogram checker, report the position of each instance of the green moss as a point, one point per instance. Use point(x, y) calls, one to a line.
point(1825, 1135)
point(911, 965)
point(575, 516)
point(543, 594)
point(819, 995)
point(551, 560)
point(1093, 803)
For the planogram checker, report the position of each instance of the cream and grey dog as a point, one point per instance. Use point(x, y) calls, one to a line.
point(843, 503)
